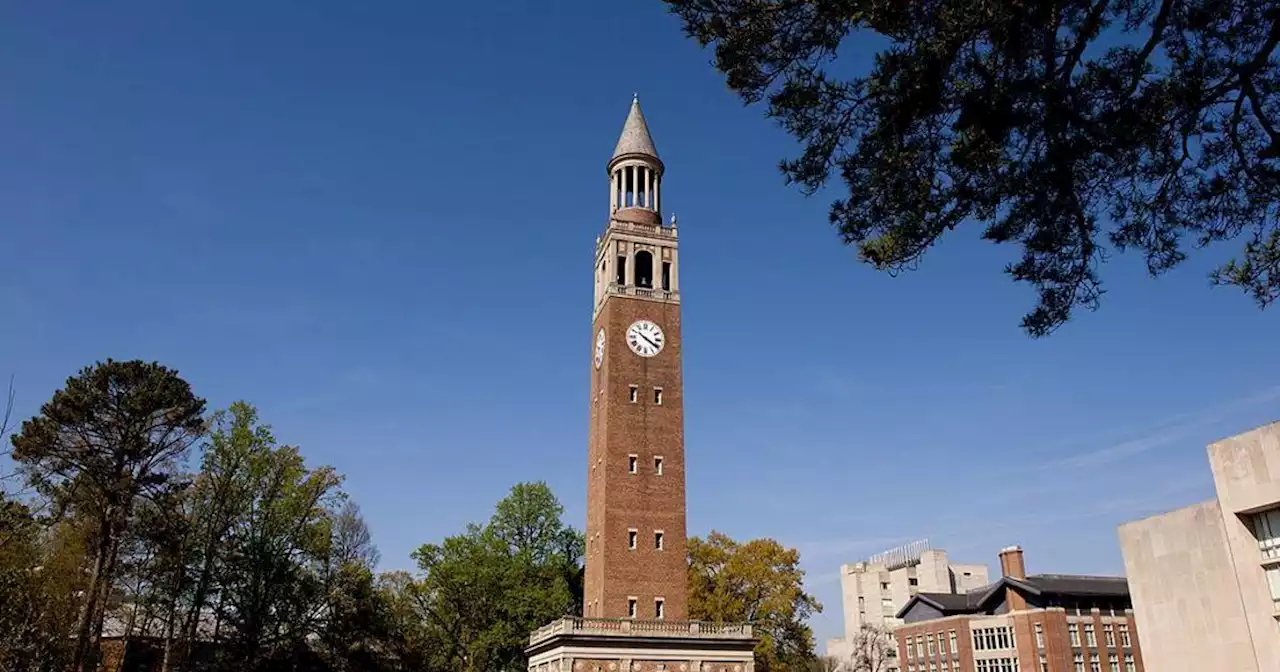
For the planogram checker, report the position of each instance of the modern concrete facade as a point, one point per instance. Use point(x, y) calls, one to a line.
point(634, 613)
point(1021, 623)
point(872, 591)
point(1206, 578)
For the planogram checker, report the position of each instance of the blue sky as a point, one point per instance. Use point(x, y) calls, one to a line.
point(375, 221)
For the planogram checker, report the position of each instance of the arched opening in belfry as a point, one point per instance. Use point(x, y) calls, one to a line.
point(644, 269)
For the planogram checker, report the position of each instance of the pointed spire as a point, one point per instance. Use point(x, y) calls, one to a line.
point(635, 138)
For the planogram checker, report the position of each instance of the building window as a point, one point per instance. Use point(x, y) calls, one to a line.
point(657, 465)
point(911, 648)
point(634, 392)
point(1089, 639)
point(1114, 662)
point(884, 585)
point(1273, 580)
point(657, 395)
point(1095, 665)
point(1078, 662)
point(666, 276)
point(1109, 635)
point(631, 607)
point(657, 607)
point(913, 581)
point(657, 540)
point(1073, 631)
point(1266, 527)
point(631, 539)
point(632, 461)
point(1044, 663)
point(991, 639)
point(1039, 635)
point(952, 637)
point(929, 641)
point(621, 267)
point(1124, 634)
point(1128, 663)
point(920, 645)
point(862, 607)
point(644, 269)
point(933, 667)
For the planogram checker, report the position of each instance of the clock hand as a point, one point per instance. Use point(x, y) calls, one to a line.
point(648, 340)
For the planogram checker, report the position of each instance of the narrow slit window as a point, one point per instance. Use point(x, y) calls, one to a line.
point(657, 540)
point(657, 465)
point(634, 392)
point(621, 276)
point(666, 276)
point(631, 607)
point(632, 461)
point(631, 539)
point(657, 608)
point(657, 395)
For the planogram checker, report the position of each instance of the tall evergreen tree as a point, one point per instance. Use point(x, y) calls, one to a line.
point(113, 434)
point(1058, 126)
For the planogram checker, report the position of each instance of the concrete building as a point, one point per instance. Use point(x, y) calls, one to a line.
point(1021, 623)
point(1206, 578)
point(872, 591)
point(635, 613)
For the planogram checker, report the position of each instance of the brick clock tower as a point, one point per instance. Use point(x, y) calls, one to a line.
point(636, 563)
point(635, 602)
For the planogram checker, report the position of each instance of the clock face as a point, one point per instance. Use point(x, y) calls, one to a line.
point(599, 348)
point(645, 338)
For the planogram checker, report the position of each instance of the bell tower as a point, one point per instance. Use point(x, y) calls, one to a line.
point(636, 564)
point(635, 603)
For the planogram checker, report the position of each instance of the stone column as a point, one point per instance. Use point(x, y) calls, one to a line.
point(648, 183)
point(675, 269)
point(613, 191)
point(631, 262)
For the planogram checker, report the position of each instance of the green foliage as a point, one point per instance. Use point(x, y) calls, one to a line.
point(1150, 122)
point(40, 572)
point(113, 434)
point(258, 561)
point(758, 582)
point(484, 591)
point(253, 560)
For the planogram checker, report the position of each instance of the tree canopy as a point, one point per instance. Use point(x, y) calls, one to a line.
point(760, 582)
point(484, 591)
point(158, 536)
point(1068, 128)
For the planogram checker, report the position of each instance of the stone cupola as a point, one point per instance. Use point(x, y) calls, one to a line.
point(635, 173)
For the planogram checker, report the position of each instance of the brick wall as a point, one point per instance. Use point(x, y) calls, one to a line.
point(618, 501)
point(961, 661)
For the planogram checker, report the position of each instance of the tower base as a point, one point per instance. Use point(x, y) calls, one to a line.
point(575, 644)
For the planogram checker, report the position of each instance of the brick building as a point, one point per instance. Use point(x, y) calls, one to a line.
point(1020, 623)
point(634, 604)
